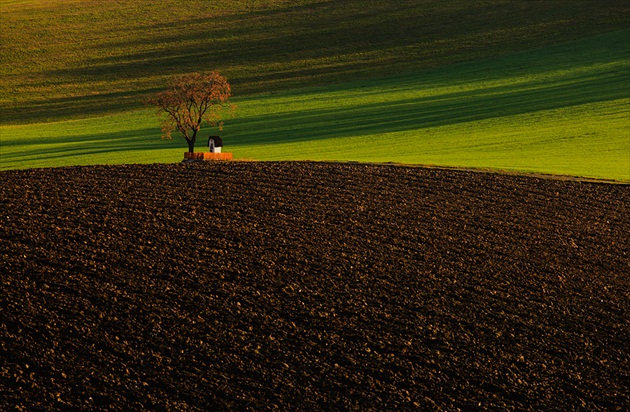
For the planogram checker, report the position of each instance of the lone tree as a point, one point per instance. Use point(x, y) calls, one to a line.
point(191, 100)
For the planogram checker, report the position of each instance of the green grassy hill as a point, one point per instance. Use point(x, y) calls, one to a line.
point(71, 58)
point(525, 86)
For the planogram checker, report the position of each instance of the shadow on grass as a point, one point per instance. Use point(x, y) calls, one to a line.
point(74, 107)
point(120, 144)
point(306, 45)
point(370, 118)
point(432, 111)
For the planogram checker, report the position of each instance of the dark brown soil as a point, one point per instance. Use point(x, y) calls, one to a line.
point(311, 286)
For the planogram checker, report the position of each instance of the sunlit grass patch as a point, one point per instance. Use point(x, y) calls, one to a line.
point(558, 110)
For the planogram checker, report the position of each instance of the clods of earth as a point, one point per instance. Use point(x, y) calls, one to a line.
point(311, 286)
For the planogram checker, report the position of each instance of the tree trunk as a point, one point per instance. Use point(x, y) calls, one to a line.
point(191, 142)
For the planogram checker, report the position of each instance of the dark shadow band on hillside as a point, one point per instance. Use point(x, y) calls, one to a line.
point(374, 118)
point(602, 49)
point(433, 111)
point(144, 140)
point(262, 50)
point(74, 107)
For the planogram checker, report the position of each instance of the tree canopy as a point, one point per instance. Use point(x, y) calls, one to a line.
point(192, 100)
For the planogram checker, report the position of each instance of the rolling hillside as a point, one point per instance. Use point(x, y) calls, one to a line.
point(313, 278)
point(561, 109)
point(79, 58)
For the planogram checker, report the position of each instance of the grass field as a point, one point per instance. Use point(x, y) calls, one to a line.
point(83, 58)
point(567, 113)
point(468, 97)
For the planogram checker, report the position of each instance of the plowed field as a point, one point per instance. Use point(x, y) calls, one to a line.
point(311, 286)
